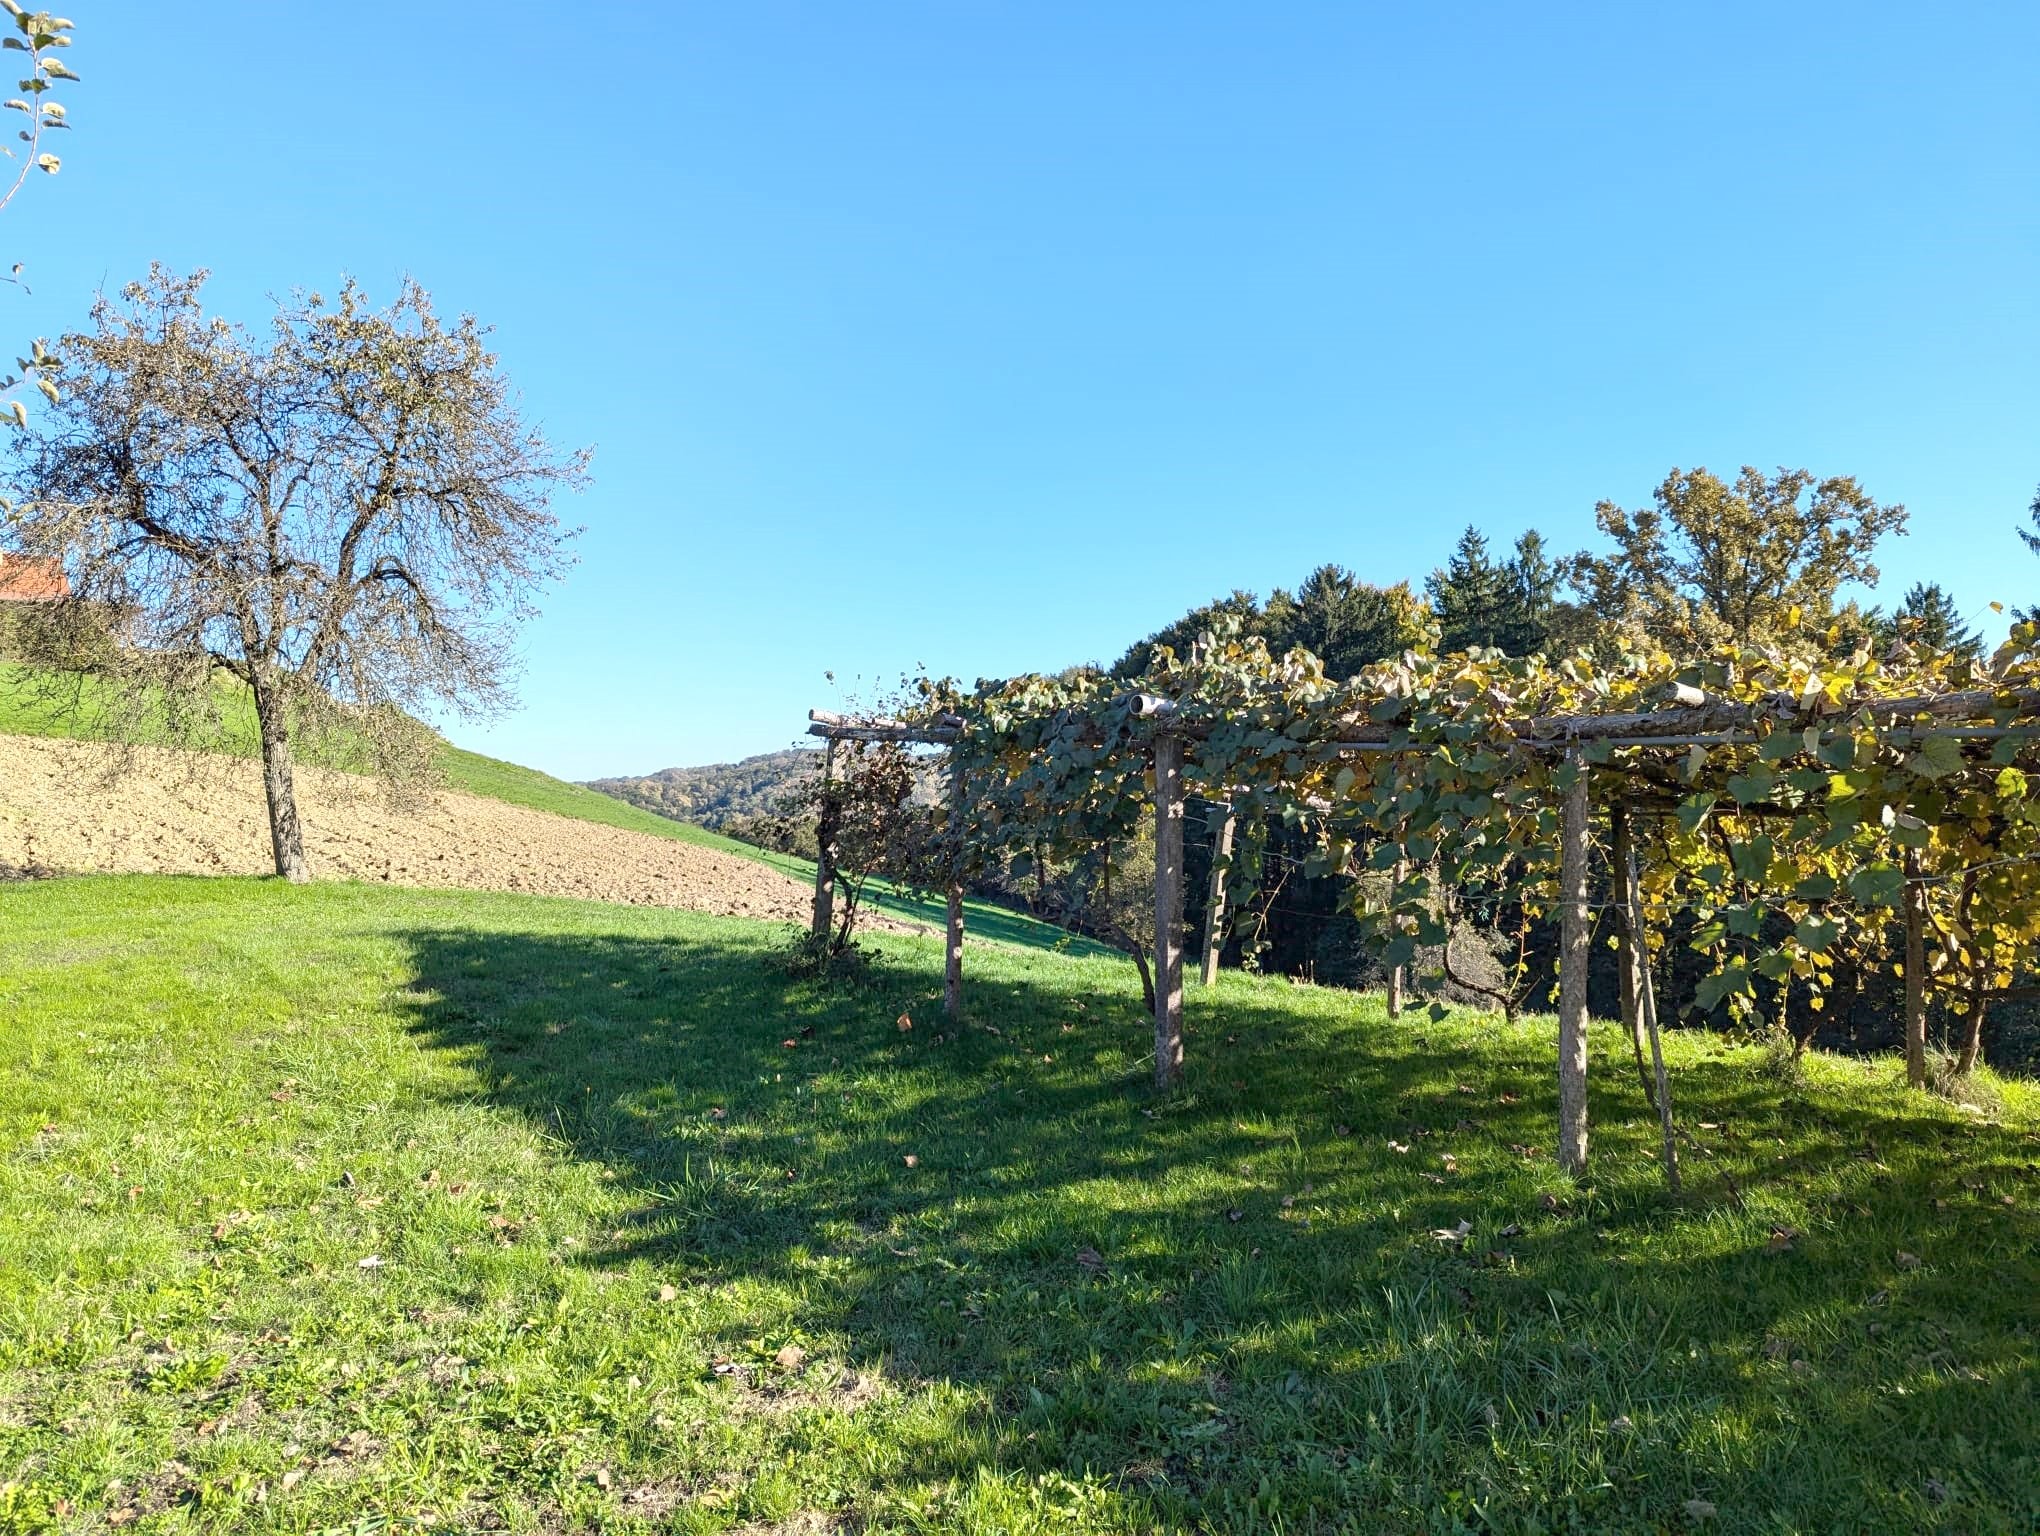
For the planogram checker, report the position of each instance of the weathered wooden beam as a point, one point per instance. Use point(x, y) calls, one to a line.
point(1168, 754)
point(937, 736)
point(1214, 907)
point(1575, 927)
point(1692, 719)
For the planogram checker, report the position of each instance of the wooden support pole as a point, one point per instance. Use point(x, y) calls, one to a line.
point(1397, 974)
point(1574, 935)
point(826, 823)
point(1632, 953)
point(1168, 910)
point(1646, 1005)
point(1915, 972)
point(1214, 907)
point(952, 973)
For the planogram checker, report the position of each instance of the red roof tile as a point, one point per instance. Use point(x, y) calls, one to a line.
point(32, 581)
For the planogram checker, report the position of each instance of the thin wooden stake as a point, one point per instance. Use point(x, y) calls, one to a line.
point(952, 975)
point(1574, 936)
point(1646, 1007)
point(826, 823)
point(1915, 972)
point(1632, 953)
point(1396, 974)
point(1214, 908)
point(1168, 910)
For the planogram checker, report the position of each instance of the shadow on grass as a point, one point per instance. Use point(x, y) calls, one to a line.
point(1233, 1301)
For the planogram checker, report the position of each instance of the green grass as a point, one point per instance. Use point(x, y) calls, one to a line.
point(26, 712)
point(653, 1255)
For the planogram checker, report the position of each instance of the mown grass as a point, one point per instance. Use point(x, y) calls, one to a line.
point(667, 1241)
point(27, 709)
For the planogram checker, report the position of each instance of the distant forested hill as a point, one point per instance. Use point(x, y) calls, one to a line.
point(717, 795)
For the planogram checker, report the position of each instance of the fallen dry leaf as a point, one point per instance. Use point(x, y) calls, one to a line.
point(1453, 1234)
point(790, 1358)
point(911, 1160)
point(904, 1023)
point(669, 1293)
point(373, 1261)
point(1908, 1260)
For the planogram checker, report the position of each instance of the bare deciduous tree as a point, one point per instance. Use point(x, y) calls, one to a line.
point(348, 516)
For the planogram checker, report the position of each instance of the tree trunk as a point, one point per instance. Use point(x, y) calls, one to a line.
point(952, 972)
point(1972, 1032)
point(952, 969)
point(1168, 979)
point(1575, 934)
point(825, 848)
point(1657, 1087)
point(1214, 907)
point(1396, 973)
point(1147, 975)
point(279, 787)
point(1632, 953)
point(1915, 973)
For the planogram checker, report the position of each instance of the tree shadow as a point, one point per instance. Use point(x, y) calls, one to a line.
point(1232, 1306)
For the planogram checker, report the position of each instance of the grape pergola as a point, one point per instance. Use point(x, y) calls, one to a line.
point(1799, 809)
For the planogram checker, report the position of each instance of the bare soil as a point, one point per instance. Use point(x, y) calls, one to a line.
point(68, 806)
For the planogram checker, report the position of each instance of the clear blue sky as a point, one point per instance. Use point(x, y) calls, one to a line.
point(992, 335)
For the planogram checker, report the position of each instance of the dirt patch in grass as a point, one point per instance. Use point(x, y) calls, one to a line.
point(85, 807)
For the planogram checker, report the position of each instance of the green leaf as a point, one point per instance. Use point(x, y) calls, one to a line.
point(1817, 933)
point(1749, 788)
point(1753, 858)
point(1815, 887)
point(1937, 757)
point(1878, 885)
point(1734, 978)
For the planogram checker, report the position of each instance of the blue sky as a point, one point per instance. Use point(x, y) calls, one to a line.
point(992, 335)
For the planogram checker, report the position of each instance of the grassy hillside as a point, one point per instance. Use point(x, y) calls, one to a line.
point(24, 711)
point(344, 1208)
point(716, 794)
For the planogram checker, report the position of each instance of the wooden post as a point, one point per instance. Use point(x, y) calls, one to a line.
point(1396, 975)
point(1915, 972)
point(1574, 936)
point(1214, 908)
point(952, 974)
point(826, 822)
point(1632, 952)
point(1168, 910)
point(1646, 1005)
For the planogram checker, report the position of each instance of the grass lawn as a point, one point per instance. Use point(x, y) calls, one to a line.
point(347, 1209)
point(24, 711)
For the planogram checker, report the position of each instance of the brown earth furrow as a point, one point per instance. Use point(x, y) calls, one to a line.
point(82, 806)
